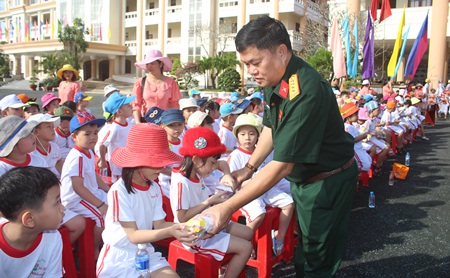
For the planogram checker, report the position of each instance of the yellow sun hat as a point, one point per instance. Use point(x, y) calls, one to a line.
point(69, 68)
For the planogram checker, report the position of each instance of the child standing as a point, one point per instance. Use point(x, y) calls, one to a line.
point(212, 109)
point(17, 143)
point(119, 106)
point(188, 106)
point(350, 115)
point(82, 101)
point(188, 197)
point(69, 86)
point(172, 121)
point(247, 130)
point(82, 191)
point(62, 132)
point(12, 105)
point(136, 214)
point(50, 103)
point(30, 201)
point(229, 113)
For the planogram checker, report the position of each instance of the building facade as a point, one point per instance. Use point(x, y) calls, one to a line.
point(122, 31)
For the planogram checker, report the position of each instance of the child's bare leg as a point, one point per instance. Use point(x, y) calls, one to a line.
point(164, 272)
point(285, 219)
point(97, 239)
point(241, 248)
point(254, 225)
point(239, 230)
point(401, 135)
point(382, 156)
point(373, 151)
point(76, 227)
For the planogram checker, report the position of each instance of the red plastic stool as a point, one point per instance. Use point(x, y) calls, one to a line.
point(364, 178)
point(205, 265)
point(393, 142)
point(70, 270)
point(86, 252)
point(265, 260)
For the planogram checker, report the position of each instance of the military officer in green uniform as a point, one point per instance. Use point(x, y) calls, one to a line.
point(304, 128)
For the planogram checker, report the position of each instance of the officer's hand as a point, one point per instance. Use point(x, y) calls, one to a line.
point(242, 175)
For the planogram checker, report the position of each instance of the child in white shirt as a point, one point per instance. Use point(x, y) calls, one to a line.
point(229, 113)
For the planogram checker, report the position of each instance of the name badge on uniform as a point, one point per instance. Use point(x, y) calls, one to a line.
point(294, 87)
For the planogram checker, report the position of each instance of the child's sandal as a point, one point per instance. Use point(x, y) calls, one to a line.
point(277, 246)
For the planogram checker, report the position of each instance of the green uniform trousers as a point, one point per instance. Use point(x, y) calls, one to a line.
point(323, 211)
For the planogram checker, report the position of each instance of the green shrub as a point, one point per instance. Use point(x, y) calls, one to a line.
point(229, 80)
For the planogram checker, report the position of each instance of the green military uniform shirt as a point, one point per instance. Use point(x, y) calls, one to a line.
point(307, 128)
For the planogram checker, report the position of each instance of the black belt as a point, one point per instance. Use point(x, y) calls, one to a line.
point(324, 175)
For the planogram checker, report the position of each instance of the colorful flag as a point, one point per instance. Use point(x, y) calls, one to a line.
point(398, 42)
point(336, 50)
point(100, 32)
point(354, 70)
point(402, 51)
point(345, 32)
point(35, 30)
point(385, 10)
point(368, 50)
point(27, 32)
point(40, 27)
point(1, 30)
point(418, 50)
point(373, 9)
point(109, 33)
point(59, 26)
point(46, 27)
point(53, 27)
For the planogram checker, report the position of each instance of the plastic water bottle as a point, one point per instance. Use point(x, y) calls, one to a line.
point(372, 200)
point(142, 261)
point(391, 179)
point(407, 159)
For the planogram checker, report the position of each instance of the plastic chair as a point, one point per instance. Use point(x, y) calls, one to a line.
point(86, 251)
point(363, 177)
point(393, 142)
point(205, 265)
point(70, 270)
point(265, 260)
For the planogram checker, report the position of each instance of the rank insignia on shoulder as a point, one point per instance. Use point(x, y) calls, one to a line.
point(294, 87)
point(284, 89)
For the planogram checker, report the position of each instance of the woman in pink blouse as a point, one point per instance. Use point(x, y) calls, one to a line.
point(69, 85)
point(159, 90)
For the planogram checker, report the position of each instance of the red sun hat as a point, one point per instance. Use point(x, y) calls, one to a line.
point(349, 109)
point(147, 146)
point(201, 142)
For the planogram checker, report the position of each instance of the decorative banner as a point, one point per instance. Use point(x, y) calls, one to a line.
point(336, 50)
point(368, 50)
point(385, 10)
point(345, 32)
point(418, 50)
point(402, 51)
point(354, 70)
point(398, 42)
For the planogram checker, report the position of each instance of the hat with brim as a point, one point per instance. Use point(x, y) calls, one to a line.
point(196, 119)
point(246, 119)
point(362, 114)
point(24, 98)
point(201, 101)
point(64, 112)
point(243, 103)
point(31, 103)
point(414, 100)
point(116, 101)
point(349, 109)
point(201, 142)
point(12, 129)
point(365, 82)
point(147, 146)
point(80, 96)
point(67, 67)
point(154, 55)
point(153, 115)
point(171, 116)
point(109, 89)
point(47, 98)
point(45, 118)
point(391, 104)
point(80, 120)
point(187, 103)
point(228, 109)
point(11, 101)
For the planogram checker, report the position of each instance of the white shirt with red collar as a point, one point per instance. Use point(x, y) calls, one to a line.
point(78, 163)
point(32, 160)
point(52, 156)
point(227, 138)
point(64, 142)
point(42, 259)
point(185, 193)
point(164, 180)
point(115, 137)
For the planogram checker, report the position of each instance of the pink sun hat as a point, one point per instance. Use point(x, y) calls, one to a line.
point(47, 98)
point(362, 114)
point(155, 55)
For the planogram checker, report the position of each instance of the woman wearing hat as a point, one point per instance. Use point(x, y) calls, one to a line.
point(69, 85)
point(155, 89)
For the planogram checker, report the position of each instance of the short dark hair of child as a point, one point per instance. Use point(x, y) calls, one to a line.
point(24, 187)
point(211, 105)
point(208, 120)
point(72, 105)
point(187, 165)
point(344, 93)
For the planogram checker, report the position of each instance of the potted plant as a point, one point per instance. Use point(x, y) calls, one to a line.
point(33, 81)
point(50, 82)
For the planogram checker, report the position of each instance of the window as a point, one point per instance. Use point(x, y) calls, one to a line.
point(234, 27)
point(2, 5)
point(169, 33)
point(173, 2)
point(297, 27)
point(420, 3)
point(151, 5)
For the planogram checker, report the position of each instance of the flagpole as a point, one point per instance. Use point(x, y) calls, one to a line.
point(384, 38)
